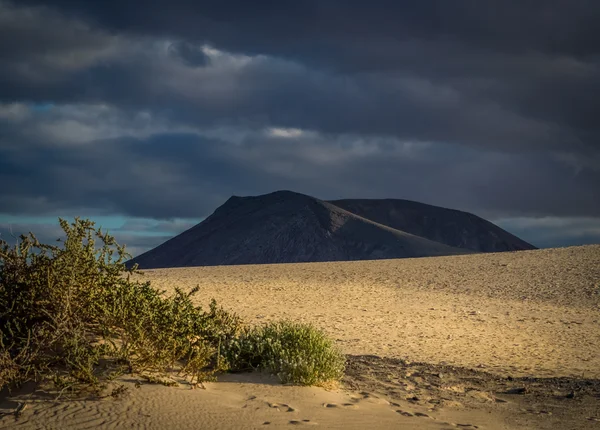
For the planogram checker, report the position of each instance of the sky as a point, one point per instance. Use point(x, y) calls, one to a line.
point(147, 118)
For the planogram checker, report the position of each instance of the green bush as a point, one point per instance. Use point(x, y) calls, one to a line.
point(72, 315)
point(297, 353)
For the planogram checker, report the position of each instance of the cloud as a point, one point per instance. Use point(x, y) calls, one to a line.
point(41, 48)
point(192, 55)
point(554, 231)
point(442, 89)
point(163, 112)
point(285, 132)
point(136, 165)
point(289, 25)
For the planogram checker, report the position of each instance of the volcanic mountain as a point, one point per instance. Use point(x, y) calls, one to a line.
point(288, 227)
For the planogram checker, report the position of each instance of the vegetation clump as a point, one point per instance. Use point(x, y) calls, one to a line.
point(73, 315)
point(297, 353)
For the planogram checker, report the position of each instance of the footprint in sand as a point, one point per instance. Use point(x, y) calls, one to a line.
point(343, 405)
point(414, 414)
point(302, 422)
point(366, 395)
point(422, 415)
point(280, 406)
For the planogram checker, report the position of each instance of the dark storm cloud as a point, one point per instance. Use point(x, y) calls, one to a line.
point(554, 232)
point(164, 111)
point(40, 49)
point(282, 26)
point(508, 74)
point(190, 54)
point(170, 174)
point(164, 177)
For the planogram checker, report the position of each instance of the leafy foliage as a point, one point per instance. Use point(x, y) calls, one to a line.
point(297, 353)
point(73, 315)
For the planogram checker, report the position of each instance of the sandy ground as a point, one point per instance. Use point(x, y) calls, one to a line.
point(525, 313)
point(237, 402)
point(511, 341)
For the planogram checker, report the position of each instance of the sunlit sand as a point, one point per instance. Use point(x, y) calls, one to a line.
point(501, 316)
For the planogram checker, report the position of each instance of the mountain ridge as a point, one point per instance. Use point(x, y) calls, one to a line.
point(285, 227)
point(289, 227)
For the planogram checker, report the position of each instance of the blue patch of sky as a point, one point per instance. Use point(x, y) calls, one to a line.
point(114, 223)
point(41, 107)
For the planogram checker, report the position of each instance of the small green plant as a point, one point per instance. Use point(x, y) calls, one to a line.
point(297, 353)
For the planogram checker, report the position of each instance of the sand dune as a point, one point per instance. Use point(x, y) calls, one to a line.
point(505, 316)
point(527, 313)
point(237, 402)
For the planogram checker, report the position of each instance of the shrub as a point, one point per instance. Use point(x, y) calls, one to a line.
point(72, 314)
point(297, 353)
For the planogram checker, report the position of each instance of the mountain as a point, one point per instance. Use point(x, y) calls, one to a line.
point(451, 227)
point(287, 227)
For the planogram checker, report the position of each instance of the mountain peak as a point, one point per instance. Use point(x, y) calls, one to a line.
point(288, 227)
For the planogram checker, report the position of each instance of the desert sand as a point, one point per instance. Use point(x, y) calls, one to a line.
point(511, 340)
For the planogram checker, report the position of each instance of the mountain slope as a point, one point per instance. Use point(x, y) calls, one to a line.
point(448, 226)
point(286, 227)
